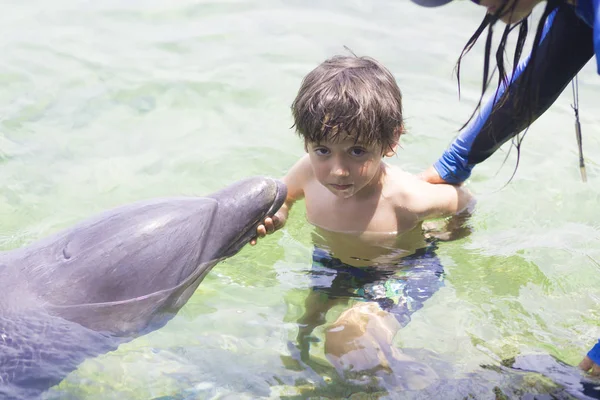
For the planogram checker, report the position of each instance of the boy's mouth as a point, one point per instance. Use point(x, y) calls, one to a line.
point(340, 187)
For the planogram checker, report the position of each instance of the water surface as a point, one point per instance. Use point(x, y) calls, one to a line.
point(110, 102)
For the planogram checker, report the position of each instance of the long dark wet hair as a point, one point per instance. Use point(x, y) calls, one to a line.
point(524, 95)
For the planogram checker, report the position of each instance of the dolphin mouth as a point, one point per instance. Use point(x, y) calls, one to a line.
point(200, 271)
point(279, 199)
point(277, 202)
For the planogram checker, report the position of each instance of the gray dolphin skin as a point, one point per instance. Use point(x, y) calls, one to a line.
point(115, 276)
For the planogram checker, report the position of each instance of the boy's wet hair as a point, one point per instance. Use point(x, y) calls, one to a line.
point(351, 95)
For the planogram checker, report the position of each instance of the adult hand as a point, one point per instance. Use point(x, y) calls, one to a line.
point(588, 365)
point(431, 175)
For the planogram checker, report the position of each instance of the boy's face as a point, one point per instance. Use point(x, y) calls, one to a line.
point(344, 166)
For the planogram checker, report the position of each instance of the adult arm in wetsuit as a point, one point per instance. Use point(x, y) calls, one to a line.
point(566, 46)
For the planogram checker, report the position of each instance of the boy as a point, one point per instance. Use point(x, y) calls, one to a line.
point(368, 215)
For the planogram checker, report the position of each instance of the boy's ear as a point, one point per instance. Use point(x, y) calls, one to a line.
point(391, 150)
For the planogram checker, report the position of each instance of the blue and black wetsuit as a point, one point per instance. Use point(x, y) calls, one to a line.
point(570, 38)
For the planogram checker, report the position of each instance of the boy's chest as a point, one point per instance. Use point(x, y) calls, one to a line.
point(328, 211)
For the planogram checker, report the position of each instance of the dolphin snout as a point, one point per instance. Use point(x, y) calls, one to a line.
point(242, 206)
point(280, 196)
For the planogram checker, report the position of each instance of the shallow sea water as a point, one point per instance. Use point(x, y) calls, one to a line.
point(110, 102)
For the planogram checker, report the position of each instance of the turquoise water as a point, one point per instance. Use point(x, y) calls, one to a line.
point(110, 102)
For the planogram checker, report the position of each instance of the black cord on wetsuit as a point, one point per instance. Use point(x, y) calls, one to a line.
point(575, 106)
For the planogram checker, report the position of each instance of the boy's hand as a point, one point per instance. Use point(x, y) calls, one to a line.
point(270, 225)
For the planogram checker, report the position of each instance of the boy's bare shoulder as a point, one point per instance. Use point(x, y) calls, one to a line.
point(402, 185)
point(300, 171)
point(414, 195)
point(298, 178)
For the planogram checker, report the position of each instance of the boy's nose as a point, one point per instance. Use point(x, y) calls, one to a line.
point(340, 171)
point(338, 166)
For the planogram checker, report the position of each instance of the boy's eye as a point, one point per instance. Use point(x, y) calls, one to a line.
point(321, 151)
point(357, 151)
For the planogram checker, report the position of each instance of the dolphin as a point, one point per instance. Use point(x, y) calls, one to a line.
point(120, 274)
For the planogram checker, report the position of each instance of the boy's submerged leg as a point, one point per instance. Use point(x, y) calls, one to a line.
point(317, 304)
point(361, 339)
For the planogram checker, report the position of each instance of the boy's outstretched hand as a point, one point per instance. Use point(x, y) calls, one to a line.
point(271, 224)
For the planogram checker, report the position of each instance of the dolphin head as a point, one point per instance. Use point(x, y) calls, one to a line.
point(123, 273)
point(118, 270)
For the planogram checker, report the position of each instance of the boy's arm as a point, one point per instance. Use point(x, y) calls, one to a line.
point(443, 200)
point(295, 180)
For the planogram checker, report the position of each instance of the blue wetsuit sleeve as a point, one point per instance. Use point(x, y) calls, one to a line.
point(594, 353)
point(565, 47)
